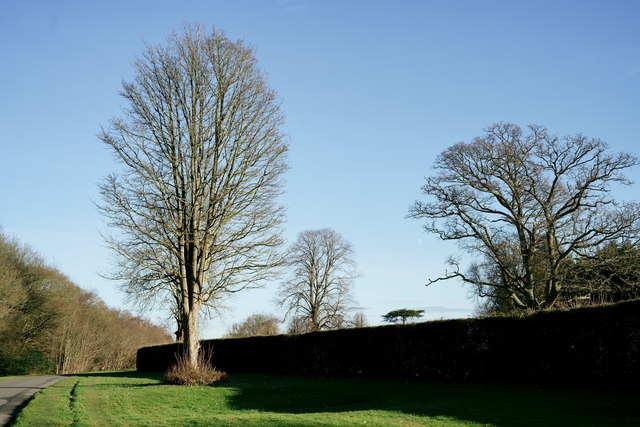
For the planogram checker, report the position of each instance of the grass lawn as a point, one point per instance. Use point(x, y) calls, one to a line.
point(139, 399)
point(14, 377)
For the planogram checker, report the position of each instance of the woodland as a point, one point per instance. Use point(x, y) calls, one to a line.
point(48, 324)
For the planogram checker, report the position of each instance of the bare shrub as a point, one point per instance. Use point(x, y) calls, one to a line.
point(203, 373)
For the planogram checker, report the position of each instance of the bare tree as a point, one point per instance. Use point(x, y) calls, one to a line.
point(202, 155)
point(526, 204)
point(255, 325)
point(359, 320)
point(300, 325)
point(318, 293)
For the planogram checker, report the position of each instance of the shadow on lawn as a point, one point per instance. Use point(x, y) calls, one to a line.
point(502, 405)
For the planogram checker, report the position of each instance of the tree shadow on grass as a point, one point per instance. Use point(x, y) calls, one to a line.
point(495, 404)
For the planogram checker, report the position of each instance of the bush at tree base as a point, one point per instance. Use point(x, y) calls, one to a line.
point(181, 373)
point(585, 345)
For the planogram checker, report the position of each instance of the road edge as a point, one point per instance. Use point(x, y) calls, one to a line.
point(19, 401)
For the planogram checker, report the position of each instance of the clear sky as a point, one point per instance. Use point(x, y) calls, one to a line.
point(372, 92)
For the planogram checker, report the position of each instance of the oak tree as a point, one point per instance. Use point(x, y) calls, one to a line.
point(526, 204)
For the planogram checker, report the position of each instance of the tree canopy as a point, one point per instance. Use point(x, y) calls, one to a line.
point(50, 325)
point(401, 315)
point(317, 293)
point(255, 325)
point(202, 157)
point(525, 205)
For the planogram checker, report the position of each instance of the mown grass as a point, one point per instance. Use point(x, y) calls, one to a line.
point(139, 399)
point(16, 377)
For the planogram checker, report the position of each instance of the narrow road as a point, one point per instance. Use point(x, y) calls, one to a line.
point(15, 393)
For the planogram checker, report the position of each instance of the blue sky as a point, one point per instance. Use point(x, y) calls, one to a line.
point(372, 92)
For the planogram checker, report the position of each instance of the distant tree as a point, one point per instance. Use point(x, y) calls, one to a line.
point(299, 325)
point(255, 325)
point(402, 315)
point(359, 320)
point(317, 294)
point(528, 205)
point(203, 156)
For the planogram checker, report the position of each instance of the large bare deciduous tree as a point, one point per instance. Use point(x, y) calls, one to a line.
point(202, 154)
point(317, 294)
point(526, 203)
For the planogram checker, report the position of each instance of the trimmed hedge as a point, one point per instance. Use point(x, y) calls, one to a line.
point(595, 344)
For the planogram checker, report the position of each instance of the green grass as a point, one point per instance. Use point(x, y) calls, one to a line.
point(139, 399)
point(14, 377)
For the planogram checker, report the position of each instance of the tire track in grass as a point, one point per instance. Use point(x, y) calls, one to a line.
point(73, 397)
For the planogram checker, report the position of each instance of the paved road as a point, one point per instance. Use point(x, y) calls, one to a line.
point(15, 393)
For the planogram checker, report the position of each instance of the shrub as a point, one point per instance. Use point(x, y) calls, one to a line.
point(25, 362)
point(202, 374)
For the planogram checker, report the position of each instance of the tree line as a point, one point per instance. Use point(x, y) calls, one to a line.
point(50, 325)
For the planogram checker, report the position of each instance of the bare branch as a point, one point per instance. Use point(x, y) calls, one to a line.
point(203, 155)
point(526, 204)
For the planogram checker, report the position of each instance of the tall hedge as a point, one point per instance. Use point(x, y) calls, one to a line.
point(598, 344)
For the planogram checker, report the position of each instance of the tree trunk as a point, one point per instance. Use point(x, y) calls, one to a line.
point(552, 292)
point(315, 323)
point(191, 340)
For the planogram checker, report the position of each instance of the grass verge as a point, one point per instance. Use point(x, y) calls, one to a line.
point(140, 399)
point(13, 377)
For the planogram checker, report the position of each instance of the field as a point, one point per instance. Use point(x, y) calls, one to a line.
point(139, 399)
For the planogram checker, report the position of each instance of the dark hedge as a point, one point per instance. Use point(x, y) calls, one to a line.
point(596, 344)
